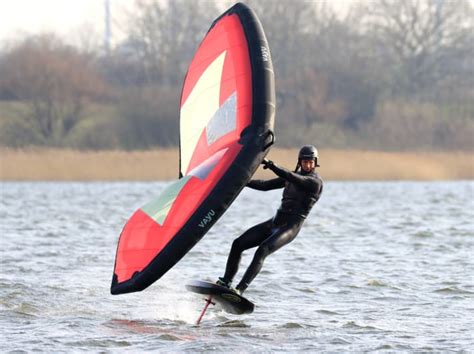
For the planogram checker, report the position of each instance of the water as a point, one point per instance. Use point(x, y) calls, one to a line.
point(377, 266)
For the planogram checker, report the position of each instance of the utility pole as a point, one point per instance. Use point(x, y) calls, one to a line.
point(108, 32)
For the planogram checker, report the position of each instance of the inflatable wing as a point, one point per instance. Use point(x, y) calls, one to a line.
point(226, 122)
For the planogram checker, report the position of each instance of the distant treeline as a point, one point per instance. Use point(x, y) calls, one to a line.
point(388, 75)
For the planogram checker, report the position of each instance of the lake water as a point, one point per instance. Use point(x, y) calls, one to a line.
point(377, 266)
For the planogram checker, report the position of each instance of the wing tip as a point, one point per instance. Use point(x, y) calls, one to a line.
point(125, 287)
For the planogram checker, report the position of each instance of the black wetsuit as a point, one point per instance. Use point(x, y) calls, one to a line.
point(302, 191)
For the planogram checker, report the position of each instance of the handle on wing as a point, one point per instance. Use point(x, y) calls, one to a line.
point(270, 134)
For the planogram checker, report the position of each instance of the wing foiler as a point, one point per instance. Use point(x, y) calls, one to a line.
point(226, 121)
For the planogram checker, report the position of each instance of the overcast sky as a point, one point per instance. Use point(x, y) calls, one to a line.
point(70, 18)
point(74, 19)
point(66, 17)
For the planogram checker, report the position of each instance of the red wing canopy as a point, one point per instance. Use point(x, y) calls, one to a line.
point(226, 122)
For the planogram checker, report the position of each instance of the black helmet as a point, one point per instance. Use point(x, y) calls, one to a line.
point(308, 152)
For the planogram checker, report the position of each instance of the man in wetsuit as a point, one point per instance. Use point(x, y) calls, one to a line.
point(303, 188)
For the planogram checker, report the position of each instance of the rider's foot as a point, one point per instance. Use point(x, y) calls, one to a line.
point(227, 284)
point(240, 288)
point(223, 282)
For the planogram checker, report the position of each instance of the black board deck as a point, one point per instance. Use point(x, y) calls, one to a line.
point(229, 300)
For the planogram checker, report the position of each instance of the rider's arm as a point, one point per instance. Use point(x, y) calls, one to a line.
point(262, 185)
point(307, 182)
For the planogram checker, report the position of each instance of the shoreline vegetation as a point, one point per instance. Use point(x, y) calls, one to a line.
point(381, 77)
point(162, 165)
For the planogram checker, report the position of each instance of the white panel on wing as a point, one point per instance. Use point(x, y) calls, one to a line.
point(200, 106)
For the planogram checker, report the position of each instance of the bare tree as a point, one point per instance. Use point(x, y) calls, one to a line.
point(297, 32)
point(55, 82)
point(165, 35)
point(420, 41)
point(286, 25)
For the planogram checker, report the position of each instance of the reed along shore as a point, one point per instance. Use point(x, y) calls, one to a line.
point(162, 164)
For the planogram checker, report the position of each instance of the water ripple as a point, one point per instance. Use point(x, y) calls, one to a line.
point(377, 267)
